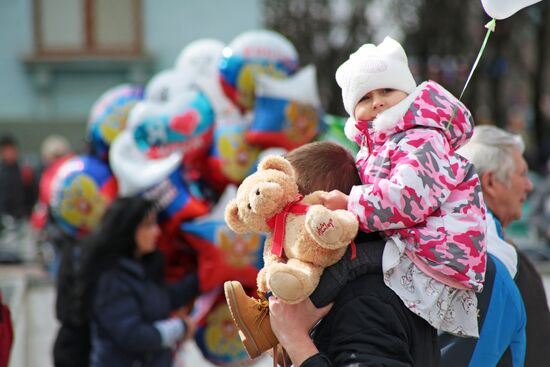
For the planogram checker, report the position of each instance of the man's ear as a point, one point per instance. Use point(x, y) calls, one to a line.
point(489, 180)
point(232, 218)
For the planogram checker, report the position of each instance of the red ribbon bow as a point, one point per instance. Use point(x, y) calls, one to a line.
point(278, 223)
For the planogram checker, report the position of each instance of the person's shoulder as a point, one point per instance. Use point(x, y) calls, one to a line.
point(122, 272)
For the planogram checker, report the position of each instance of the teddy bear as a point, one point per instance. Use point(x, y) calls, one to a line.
point(303, 237)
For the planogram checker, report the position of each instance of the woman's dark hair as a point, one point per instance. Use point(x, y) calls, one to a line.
point(113, 238)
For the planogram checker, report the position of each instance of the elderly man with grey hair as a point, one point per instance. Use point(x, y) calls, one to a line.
point(497, 156)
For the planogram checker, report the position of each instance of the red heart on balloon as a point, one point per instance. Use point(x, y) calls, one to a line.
point(185, 123)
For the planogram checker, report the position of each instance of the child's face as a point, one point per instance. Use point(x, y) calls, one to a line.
point(377, 101)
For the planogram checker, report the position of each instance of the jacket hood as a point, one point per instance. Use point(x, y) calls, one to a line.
point(429, 105)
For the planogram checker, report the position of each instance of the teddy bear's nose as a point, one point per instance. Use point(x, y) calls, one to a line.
point(258, 192)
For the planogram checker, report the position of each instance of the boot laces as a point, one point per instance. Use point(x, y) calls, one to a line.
point(263, 306)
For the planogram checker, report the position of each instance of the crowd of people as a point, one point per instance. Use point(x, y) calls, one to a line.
point(435, 280)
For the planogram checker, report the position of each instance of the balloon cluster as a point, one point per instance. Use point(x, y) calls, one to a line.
point(184, 141)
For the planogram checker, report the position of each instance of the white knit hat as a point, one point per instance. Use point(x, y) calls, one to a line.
point(373, 67)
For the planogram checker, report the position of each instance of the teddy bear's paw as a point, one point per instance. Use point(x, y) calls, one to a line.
point(287, 287)
point(324, 227)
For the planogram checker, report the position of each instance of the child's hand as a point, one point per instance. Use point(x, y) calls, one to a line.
point(335, 200)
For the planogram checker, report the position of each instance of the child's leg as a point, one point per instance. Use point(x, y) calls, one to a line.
point(368, 259)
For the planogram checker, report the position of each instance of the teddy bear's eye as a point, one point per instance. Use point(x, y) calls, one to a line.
point(258, 192)
point(249, 207)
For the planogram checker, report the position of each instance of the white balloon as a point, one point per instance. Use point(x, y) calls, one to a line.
point(300, 87)
point(263, 44)
point(135, 172)
point(501, 9)
point(197, 67)
point(167, 84)
point(201, 57)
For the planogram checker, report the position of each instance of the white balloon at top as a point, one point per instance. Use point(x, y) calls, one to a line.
point(197, 66)
point(501, 9)
point(201, 58)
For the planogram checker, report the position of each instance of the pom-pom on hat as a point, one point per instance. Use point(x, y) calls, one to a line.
point(373, 67)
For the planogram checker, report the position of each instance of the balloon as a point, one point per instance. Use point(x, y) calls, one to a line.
point(82, 189)
point(109, 114)
point(231, 158)
point(159, 87)
point(287, 112)
point(218, 338)
point(39, 216)
point(201, 58)
point(251, 54)
point(197, 65)
point(501, 9)
point(174, 201)
point(183, 124)
point(135, 172)
point(159, 180)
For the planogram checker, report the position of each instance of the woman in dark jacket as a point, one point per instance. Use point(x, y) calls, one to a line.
point(129, 305)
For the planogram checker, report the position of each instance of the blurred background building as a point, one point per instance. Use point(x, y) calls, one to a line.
point(58, 56)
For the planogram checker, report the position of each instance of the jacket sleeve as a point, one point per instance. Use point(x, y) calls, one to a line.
point(420, 179)
point(117, 312)
point(317, 360)
point(184, 290)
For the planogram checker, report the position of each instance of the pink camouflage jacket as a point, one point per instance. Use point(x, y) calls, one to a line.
point(417, 190)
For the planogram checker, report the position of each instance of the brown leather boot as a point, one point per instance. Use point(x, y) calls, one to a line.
point(252, 319)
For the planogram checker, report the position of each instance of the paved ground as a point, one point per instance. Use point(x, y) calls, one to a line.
point(34, 316)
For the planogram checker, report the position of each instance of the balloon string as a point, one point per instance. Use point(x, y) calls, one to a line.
point(490, 28)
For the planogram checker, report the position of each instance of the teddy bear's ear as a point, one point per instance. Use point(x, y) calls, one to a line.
point(232, 218)
point(278, 163)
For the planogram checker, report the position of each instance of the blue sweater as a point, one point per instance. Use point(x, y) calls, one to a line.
point(502, 325)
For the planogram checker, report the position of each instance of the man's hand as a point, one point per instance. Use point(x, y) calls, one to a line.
point(335, 200)
point(291, 325)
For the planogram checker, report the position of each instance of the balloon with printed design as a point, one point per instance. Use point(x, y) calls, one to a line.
point(184, 124)
point(135, 172)
point(253, 53)
point(109, 115)
point(174, 200)
point(287, 112)
point(231, 158)
point(240, 250)
point(81, 190)
point(218, 338)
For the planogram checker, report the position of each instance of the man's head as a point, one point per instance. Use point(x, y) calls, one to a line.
point(323, 166)
point(8, 149)
point(372, 68)
point(497, 156)
point(54, 147)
